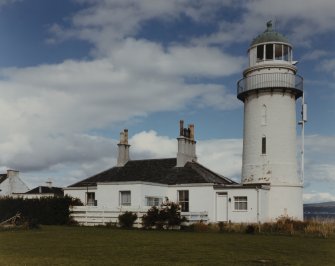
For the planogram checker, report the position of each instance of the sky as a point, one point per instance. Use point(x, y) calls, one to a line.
point(75, 73)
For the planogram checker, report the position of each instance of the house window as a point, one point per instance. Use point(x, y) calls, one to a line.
point(263, 145)
point(241, 203)
point(183, 199)
point(153, 201)
point(125, 198)
point(90, 199)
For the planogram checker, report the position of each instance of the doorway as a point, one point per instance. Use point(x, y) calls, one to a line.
point(221, 207)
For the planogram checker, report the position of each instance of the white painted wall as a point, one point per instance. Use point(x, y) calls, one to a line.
point(108, 194)
point(79, 193)
point(202, 198)
point(286, 201)
point(279, 164)
point(255, 211)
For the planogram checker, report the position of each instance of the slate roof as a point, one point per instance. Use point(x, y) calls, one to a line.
point(46, 190)
point(162, 171)
point(3, 177)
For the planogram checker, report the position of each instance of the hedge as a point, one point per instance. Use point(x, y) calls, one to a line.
point(48, 210)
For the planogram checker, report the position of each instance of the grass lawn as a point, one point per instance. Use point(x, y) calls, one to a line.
point(55, 245)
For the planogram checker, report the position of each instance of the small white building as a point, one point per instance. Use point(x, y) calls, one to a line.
point(11, 183)
point(269, 186)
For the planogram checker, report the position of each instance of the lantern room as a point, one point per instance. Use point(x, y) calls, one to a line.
point(270, 46)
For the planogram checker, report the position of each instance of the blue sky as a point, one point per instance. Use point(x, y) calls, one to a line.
point(74, 73)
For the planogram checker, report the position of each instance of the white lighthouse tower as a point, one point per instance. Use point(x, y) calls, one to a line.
point(269, 90)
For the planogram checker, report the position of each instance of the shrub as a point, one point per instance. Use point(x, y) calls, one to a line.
point(221, 226)
point(150, 219)
point(167, 216)
point(127, 219)
point(250, 229)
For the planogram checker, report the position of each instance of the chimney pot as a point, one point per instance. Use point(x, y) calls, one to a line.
point(191, 131)
point(181, 127)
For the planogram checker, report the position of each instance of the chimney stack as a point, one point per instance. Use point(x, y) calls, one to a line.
point(49, 183)
point(186, 145)
point(123, 153)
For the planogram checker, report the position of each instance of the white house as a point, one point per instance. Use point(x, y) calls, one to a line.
point(269, 186)
point(11, 183)
point(42, 192)
point(136, 185)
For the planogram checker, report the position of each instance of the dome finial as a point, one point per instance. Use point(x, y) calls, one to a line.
point(269, 25)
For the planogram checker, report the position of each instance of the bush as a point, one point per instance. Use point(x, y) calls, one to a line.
point(167, 216)
point(250, 229)
point(127, 219)
point(48, 211)
point(150, 219)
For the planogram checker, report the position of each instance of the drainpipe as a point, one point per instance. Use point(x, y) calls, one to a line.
point(257, 189)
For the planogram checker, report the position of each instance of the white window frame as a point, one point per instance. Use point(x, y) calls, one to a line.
point(185, 203)
point(125, 201)
point(90, 199)
point(240, 203)
point(153, 201)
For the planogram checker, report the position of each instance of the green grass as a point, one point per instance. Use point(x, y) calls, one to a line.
point(54, 245)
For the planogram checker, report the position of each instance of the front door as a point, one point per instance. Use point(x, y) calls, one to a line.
point(221, 207)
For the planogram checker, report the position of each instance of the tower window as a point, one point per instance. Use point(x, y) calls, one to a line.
point(263, 117)
point(260, 52)
point(269, 51)
point(278, 51)
point(263, 145)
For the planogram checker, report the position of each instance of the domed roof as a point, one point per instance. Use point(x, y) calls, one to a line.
point(269, 35)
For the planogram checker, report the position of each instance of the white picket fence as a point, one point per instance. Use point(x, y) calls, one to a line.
point(94, 215)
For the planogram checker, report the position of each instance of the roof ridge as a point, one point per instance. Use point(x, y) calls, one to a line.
point(154, 159)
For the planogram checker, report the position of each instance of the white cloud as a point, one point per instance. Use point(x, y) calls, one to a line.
point(314, 55)
point(319, 159)
point(295, 18)
point(328, 65)
point(50, 110)
point(49, 107)
point(147, 144)
point(223, 156)
point(6, 2)
point(318, 197)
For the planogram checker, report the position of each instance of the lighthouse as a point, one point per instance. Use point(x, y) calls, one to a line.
point(269, 89)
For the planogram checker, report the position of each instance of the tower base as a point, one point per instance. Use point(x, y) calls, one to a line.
point(285, 201)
